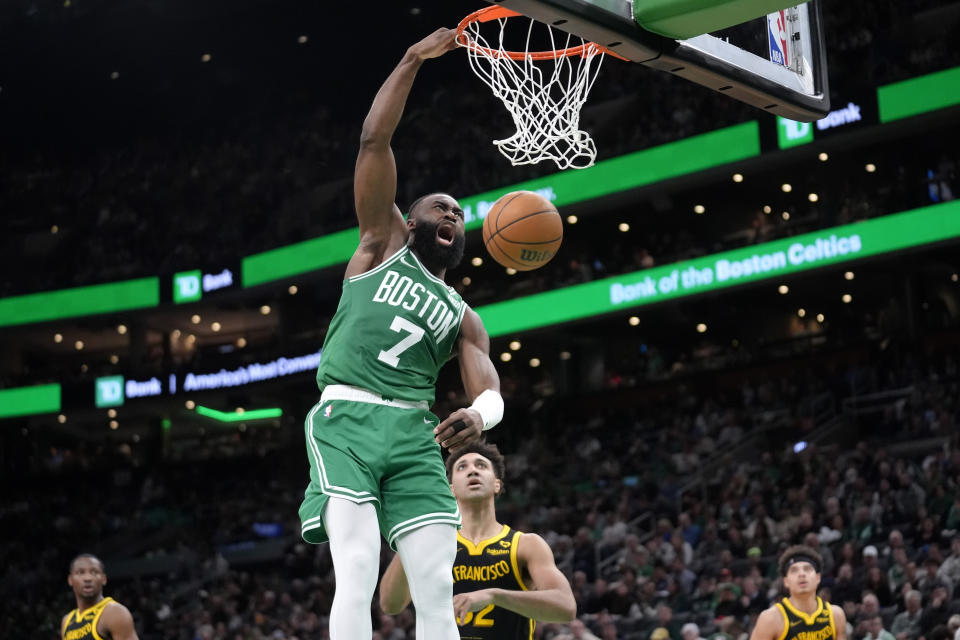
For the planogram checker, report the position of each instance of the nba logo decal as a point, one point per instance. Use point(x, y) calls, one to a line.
point(328, 411)
point(777, 34)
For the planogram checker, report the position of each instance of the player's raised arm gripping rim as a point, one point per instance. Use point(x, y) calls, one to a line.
point(372, 442)
point(802, 615)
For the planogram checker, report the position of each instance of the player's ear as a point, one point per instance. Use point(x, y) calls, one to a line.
point(499, 487)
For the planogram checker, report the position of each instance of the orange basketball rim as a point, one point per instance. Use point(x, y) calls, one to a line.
point(488, 14)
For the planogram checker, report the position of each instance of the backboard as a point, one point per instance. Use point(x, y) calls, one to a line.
point(775, 62)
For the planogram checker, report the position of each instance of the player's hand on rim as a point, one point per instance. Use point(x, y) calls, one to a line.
point(436, 44)
point(461, 427)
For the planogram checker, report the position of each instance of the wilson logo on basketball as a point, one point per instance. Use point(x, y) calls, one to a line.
point(535, 256)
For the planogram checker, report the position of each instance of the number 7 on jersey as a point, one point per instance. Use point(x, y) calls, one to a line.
point(392, 355)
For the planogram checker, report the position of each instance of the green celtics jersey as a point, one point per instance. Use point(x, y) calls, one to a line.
point(395, 326)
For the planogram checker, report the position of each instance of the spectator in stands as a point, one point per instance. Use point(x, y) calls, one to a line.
point(949, 570)
point(906, 626)
point(875, 629)
point(690, 631)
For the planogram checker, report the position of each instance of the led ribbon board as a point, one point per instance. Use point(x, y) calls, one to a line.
point(722, 270)
point(80, 301)
point(28, 401)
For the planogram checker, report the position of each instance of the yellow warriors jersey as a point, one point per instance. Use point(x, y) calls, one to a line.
point(491, 564)
point(798, 625)
point(81, 626)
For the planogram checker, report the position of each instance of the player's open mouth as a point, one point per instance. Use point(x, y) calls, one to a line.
point(445, 234)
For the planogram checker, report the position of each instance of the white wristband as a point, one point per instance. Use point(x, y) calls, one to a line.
point(489, 405)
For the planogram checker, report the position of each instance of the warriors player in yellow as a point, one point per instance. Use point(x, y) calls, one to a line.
point(503, 580)
point(803, 615)
point(96, 617)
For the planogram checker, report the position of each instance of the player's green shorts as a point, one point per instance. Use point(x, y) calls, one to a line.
point(386, 455)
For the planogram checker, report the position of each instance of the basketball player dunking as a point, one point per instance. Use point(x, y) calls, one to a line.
point(803, 615)
point(504, 580)
point(372, 442)
point(96, 617)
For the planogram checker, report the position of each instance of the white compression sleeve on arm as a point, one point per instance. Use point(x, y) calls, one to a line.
point(489, 405)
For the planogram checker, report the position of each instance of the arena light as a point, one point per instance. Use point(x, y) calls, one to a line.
point(767, 209)
point(699, 209)
point(78, 345)
point(114, 358)
point(565, 355)
point(62, 419)
point(786, 187)
point(195, 319)
point(248, 415)
point(265, 310)
point(511, 271)
point(820, 318)
point(738, 177)
point(701, 328)
point(477, 261)
point(114, 425)
point(955, 277)
point(241, 342)
point(848, 275)
point(572, 219)
point(823, 156)
point(847, 298)
point(633, 321)
point(205, 57)
point(112, 413)
point(302, 39)
point(215, 327)
point(785, 215)
point(58, 338)
point(114, 75)
point(802, 312)
point(190, 404)
point(506, 356)
point(122, 329)
point(870, 167)
point(624, 227)
point(466, 281)
point(54, 229)
point(534, 362)
point(783, 289)
point(514, 345)
point(292, 289)
point(812, 197)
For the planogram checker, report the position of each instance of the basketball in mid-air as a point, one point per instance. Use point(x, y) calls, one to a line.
point(522, 230)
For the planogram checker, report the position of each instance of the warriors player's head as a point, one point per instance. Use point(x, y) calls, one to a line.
point(437, 233)
point(87, 576)
point(476, 472)
point(800, 568)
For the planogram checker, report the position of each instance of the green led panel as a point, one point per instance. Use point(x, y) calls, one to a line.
point(29, 401)
point(80, 301)
point(718, 271)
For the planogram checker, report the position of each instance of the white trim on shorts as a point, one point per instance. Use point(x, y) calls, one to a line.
point(325, 486)
point(421, 521)
point(358, 394)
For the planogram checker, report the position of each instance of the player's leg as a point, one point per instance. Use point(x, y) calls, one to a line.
point(354, 534)
point(428, 553)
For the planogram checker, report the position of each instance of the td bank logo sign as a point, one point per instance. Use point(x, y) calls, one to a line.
point(186, 286)
point(791, 133)
point(112, 391)
point(189, 286)
point(109, 391)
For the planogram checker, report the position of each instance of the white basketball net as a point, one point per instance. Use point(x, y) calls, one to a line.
point(544, 101)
